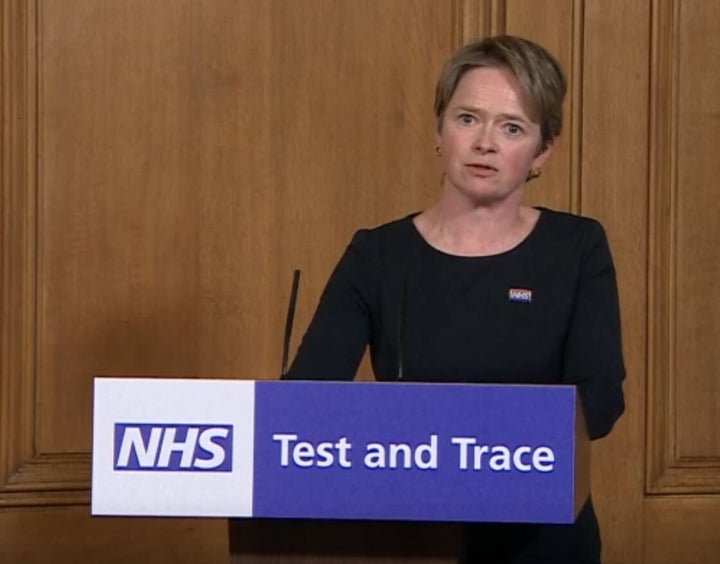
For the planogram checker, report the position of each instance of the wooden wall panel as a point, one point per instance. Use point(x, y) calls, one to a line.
point(117, 191)
point(69, 535)
point(320, 140)
point(681, 529)
point(169, 226)
point(697, 354)
point(23, 472)
point(478, 18)
point(685, 316)
point(614, 189)
point(683, 358)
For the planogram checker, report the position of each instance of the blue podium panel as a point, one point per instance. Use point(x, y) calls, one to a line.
point(415, 452)
point(332, 450)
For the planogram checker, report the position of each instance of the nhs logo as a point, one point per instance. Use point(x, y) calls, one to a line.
point(157, 447)
point(520, 295)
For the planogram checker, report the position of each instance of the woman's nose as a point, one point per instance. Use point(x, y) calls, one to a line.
point(484, 141)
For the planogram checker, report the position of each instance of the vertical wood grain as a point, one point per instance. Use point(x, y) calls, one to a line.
point(337, 137)
point(117, 192)
point(698, 232)
point(683, 319)
point(17, 277)
point(681, 529)
point(661, 243)
point(614, 189)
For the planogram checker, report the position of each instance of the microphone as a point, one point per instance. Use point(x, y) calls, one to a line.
point(402, 320)
point(289, 322)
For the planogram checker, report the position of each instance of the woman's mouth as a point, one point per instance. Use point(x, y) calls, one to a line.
point(481, 169)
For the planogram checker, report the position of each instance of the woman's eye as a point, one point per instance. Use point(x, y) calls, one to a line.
point(466, 119)
point(513, 129)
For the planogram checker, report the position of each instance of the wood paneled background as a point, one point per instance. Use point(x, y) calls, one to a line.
point(166, 164)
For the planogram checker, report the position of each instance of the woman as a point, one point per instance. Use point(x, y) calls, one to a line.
point(479, 287)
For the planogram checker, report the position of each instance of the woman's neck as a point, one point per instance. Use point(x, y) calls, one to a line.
point(482, 231)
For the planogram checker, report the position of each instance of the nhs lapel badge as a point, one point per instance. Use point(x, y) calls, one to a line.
point(520, 295)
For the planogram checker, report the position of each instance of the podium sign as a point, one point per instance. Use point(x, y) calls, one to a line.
point(338, 450)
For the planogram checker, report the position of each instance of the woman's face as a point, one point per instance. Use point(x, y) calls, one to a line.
point(487, 140)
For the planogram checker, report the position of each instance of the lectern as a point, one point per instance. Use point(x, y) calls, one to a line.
point(331, 471)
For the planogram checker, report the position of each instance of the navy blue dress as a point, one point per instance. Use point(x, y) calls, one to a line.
point(544, 312)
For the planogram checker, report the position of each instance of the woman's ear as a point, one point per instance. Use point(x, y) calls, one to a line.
point(544, 152)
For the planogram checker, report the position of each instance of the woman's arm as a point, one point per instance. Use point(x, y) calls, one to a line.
point(338, 333)
point(593, 352)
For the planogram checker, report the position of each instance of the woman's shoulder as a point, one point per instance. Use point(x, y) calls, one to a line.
point(562, 224)
point(382, 249)
point(571, 237)
point(396, 234)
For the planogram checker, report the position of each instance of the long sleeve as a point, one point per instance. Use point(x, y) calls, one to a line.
point(339, 331)
point(593, 357)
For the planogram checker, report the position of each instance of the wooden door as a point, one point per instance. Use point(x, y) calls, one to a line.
point(166, 164)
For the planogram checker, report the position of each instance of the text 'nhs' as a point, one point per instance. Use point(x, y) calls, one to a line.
point(153, 447)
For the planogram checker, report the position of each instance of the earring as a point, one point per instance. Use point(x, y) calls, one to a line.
point(534, 173)
point(438, 152)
